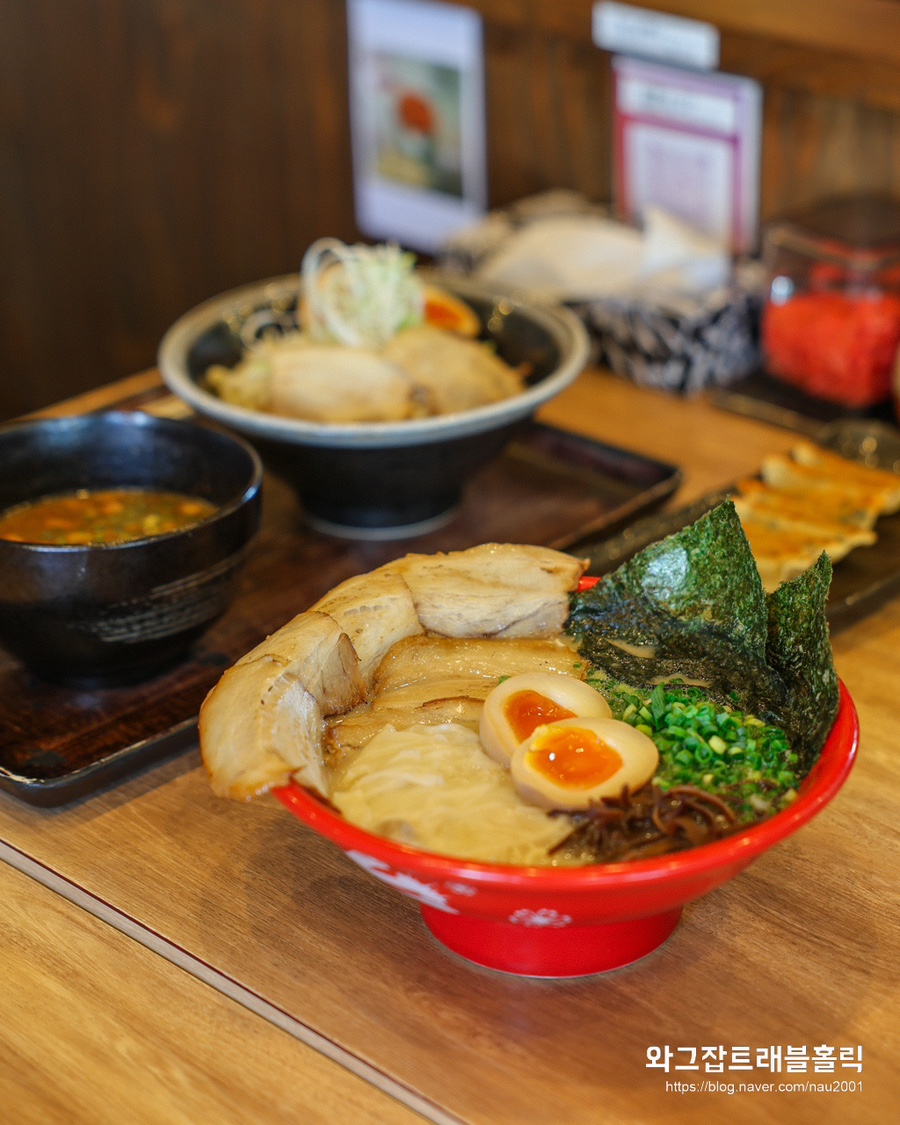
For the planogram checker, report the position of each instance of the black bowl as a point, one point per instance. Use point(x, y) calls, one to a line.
point(383, 492)
point(375, 479)
point(96, 616)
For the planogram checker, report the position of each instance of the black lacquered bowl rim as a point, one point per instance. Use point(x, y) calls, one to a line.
point(117, 418)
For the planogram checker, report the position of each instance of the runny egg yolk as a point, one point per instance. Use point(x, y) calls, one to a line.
point(574, 757)
point(527, 710)
point(575, 763)
point(520, 704)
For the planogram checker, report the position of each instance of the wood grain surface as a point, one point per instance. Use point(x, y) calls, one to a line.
point(801, 949)
point(97, 1030)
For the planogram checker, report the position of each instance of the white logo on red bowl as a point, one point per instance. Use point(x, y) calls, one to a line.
point(543, 917)
point(461, 889)
point(426, 893)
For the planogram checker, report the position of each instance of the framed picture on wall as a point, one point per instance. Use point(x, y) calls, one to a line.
point(417, 119)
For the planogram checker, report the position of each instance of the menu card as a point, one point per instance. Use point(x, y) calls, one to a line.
point(688, 142)
point(417, 119)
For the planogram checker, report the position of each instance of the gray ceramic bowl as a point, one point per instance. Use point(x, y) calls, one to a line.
point(97, 616)
point(375, 480)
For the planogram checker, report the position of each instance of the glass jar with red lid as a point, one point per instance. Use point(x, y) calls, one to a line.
point(831, 324)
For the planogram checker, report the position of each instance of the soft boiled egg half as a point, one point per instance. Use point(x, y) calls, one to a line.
point(573, 763)
point(513, 710)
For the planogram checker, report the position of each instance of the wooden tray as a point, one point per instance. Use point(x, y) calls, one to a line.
point(550, 487)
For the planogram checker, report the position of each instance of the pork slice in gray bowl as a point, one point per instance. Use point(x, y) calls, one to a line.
point(375, 479)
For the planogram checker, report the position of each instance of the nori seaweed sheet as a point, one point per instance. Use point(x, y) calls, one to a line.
point(692, 606)
point(799, 648)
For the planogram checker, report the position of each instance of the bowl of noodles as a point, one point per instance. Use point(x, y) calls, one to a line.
point(375, 390)
point(566, 922)
point(550, 765)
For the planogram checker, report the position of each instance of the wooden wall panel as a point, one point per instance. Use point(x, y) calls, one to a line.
point(548, 108)
point(152, 153)
point(867, 29)
point(155, 152)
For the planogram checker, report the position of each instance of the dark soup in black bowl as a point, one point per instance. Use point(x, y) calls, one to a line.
point(120, 536)
point(97, 517)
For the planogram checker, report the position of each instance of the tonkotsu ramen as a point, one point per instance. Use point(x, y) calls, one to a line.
point(373, 343)
point(474, 703)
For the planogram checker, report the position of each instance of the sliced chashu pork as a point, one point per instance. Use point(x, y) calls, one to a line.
point(494, 590)
point(324, 383)
point(450, 373)
point(431, 680)
point(262, 724)
point(375, 610)
point(429, 659)
point(454, 701)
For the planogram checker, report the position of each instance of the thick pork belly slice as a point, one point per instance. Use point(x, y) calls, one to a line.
point(435, 660)
point(434, 680)
point(313, 647)
point(259, 727)
point(450, 373)
point(376, 611)
point(495, 590)
point(431, 704)
point(337, 385)
point(262, 723)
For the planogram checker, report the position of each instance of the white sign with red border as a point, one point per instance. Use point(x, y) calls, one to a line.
point(689, 143)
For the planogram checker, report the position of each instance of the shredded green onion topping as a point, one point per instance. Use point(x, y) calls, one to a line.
point(361, 296)
point(745, 761)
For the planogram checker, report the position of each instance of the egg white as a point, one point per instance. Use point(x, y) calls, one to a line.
point(498, 738)
point(639, 761)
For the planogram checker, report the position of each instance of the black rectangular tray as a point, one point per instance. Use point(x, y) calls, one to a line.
point(760, 395)
point(862, 581)
point(550, 487)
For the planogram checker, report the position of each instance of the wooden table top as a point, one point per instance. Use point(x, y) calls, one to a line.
point(799, 950)
point(96, 1028)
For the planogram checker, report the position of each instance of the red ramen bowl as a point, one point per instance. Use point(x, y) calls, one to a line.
point(569, 922)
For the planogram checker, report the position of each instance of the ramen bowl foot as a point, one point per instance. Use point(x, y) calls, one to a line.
point(538, 947)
